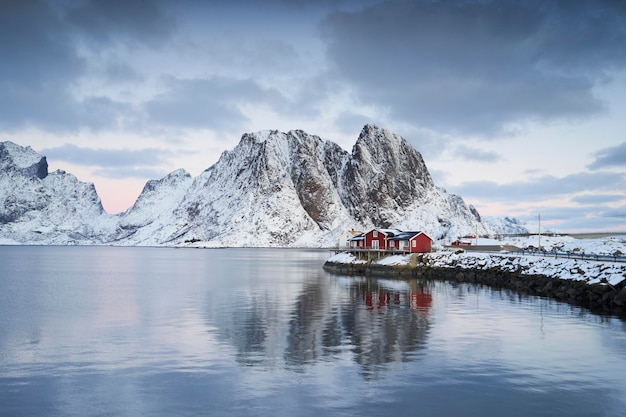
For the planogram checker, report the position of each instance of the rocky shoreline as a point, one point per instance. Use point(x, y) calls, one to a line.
point(601, 296)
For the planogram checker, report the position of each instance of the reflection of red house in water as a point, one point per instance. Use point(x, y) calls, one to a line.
point(421, 300)
point(380, 299)
point(418, 299)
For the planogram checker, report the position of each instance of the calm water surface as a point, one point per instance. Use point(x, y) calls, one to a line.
point(100, 331)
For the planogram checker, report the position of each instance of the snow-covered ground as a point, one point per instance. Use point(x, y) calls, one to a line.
point(591, 271)
point(600, 246)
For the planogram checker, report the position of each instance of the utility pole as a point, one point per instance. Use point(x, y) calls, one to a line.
point(539, 218)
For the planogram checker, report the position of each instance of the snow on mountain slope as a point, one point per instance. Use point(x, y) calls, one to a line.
point(42, 208)
point(272, 189)
point(149, 220)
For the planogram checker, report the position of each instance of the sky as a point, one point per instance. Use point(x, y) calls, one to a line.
point(517, 106)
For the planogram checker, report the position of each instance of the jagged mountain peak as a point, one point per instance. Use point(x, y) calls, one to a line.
point(379, 146)
point(22, 160)
point(16, 155)
point(171, 178)
point(385, 175)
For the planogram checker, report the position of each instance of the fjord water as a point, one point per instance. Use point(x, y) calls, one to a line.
point(106, 331)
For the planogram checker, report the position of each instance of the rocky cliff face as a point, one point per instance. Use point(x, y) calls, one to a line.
point(272, 189)
point(383, 177)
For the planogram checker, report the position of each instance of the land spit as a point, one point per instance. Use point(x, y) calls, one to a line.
point(597, 287)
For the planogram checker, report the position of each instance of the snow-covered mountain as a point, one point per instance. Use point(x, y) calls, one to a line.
point(38, 207)
point(272, 189)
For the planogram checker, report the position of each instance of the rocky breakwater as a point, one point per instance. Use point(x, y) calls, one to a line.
point(593, 284)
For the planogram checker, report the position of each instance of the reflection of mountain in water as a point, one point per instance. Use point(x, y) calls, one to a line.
point(360, 321)
point(377, 324)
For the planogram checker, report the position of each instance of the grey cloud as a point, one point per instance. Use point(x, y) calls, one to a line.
point(57, 109)
point(610, 157)
point(476, 66)
point(545, 187)
point(571, 218)
point(208, 103)
point(598, 198)
point(116, 71)
point(586, 218)
point(619, 212)
point(474, 154)
point(108, 159)
point(351, 122)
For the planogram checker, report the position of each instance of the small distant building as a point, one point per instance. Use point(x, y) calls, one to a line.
point(415, 242)
point(459, 242)
point(357, 242)
point(345, 238)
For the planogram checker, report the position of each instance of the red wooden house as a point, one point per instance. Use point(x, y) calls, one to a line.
point(411, 241)
point(377, 238)
point(392, 239)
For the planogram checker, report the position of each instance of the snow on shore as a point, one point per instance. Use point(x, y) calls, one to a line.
point(573, 269)
point(591, 271)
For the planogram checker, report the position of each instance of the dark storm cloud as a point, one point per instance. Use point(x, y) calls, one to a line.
point(34, 46)
point(544, 188)
point(37, 65)
point(40, 42)
point(208, 103)
point(610, 157)
point(105, 21)
point(473, 154)
point(476, 66)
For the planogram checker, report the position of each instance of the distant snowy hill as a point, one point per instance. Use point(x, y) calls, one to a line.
point(506, 225)
point(272, 189)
